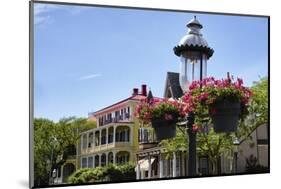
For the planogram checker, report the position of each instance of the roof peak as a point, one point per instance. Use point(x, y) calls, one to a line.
point(194, 22)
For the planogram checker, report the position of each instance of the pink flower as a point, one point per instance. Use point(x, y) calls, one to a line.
point(168, 117)
point(195, 128)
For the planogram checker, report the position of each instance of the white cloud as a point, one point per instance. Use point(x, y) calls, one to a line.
point(87, 77)
point(41, 19)
point(42, 11)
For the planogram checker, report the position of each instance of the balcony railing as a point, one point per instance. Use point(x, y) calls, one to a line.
point(106, 146)
point(116, 119)
point(146, 135)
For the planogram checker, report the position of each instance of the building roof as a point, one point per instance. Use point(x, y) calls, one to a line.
point(172, 86)
point(118, 104)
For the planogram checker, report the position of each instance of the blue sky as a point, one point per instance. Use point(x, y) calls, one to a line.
point(87, 58)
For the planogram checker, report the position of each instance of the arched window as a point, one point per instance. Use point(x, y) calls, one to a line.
point(122, 157)
point(97, 160)
point(122, 134)
point(110, 157)
point(103, 160)
point(110, 135)
point(90, 162)
point(103, 136)
point(97, 138)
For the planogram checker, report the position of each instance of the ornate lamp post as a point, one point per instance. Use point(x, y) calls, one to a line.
point(194, 52)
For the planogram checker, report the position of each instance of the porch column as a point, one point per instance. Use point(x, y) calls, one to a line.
point(100, 160)
point(131, 134)
point(114, 134)
point(149, 167)
point(94, 137)
point(94, 162)
point(138, 169)
point(100, 137)
point(174, 164)
point(160, 166)
point(107, 135)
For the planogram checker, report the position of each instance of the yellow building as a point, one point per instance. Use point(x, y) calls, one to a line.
point(115, 140)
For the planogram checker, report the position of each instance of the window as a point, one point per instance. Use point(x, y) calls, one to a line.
point(128, 110)
point(97, 138)
point(110, 136)
point(146, 135)
point(84, 163)
point(123, 136)
point(84, 141)
point(121, 117)
point(91, 139)
point(122, 159)
point(90, 162)
point(103, 139)
point(103, 160)
point(97, 160)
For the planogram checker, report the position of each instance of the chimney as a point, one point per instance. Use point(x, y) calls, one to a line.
point(135, 91)
point(143, 90)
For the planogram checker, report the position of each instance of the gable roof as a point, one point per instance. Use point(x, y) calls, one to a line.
point(172, 86)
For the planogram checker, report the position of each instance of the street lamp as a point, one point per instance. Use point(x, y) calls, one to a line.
point(235, 150)
point(194, 52)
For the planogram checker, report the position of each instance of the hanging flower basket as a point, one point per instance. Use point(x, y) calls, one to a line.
point(164, 129)
point(225, 116)
point(223, 101)
point(162, 114)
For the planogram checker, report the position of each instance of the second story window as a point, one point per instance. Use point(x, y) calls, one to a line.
point(128, 112)
point(90, 140)
point(84, 141)
point(103, 137)
point(123, 134)
point(146, 135)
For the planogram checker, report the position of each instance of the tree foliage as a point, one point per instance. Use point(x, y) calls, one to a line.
point(258, 110)
point(44, 131)
point(52, 140)
point(123, 172)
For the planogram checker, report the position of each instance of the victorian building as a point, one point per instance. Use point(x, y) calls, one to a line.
point(115, 140)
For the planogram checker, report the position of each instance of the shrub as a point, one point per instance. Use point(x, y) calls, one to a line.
point(109, 173)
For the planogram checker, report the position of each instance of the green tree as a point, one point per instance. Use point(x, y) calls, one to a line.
point(214, 145)
point(258, 110)
point(52, 141)
point(44, 132)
